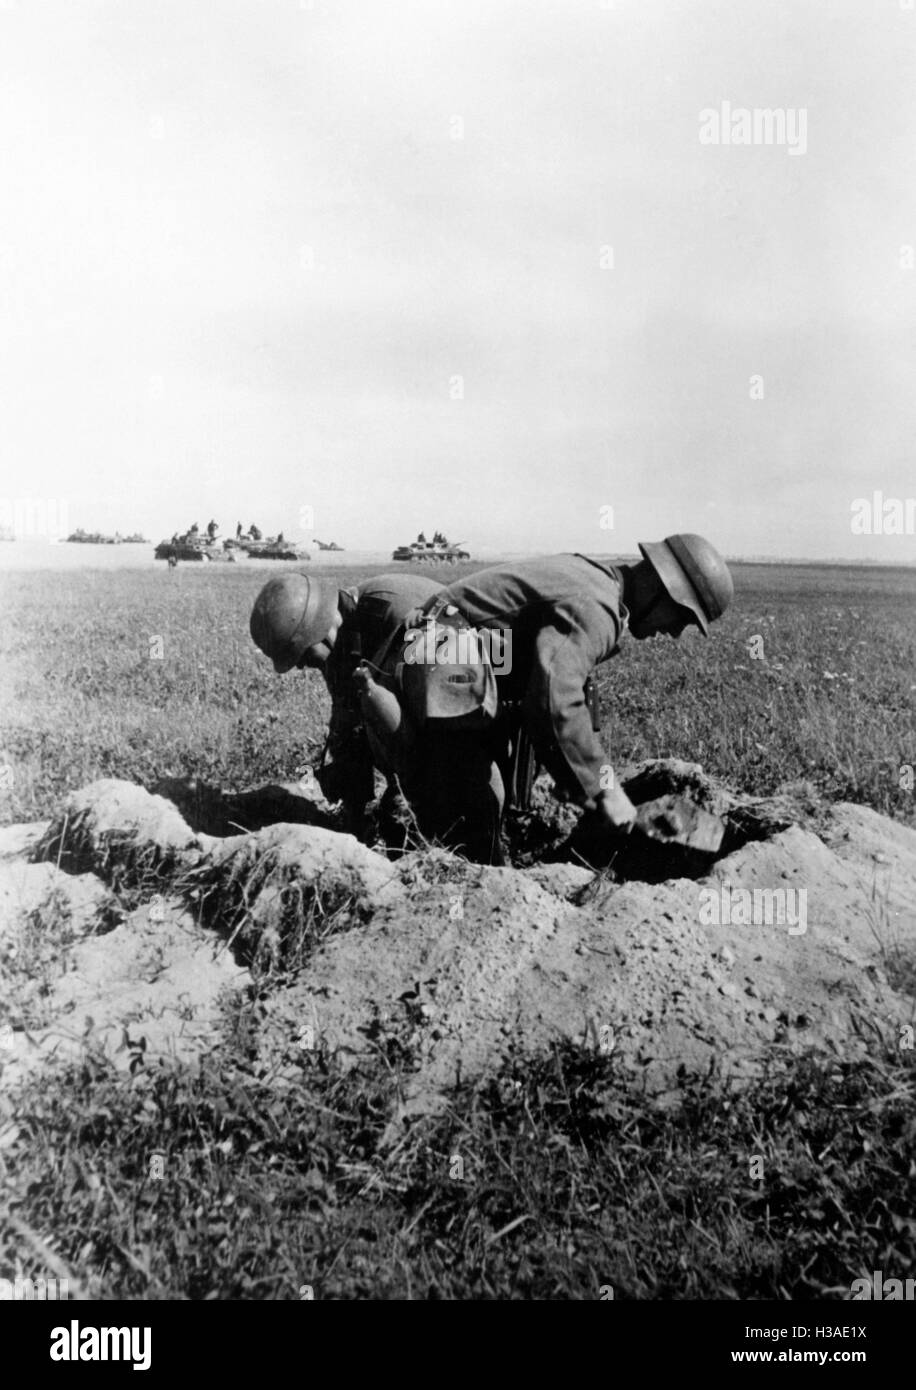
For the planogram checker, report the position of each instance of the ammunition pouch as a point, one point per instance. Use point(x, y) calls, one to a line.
point(444, 676)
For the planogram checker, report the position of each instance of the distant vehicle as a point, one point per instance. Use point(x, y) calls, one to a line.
point(328, 545)
point(274, 548)
point(189, 548)
point(250, 543)
point(81, 537)
point(193, 545)
point(436, 550)
point(205, 545)
point(135, 539)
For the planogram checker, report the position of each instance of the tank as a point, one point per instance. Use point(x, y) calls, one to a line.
point(272, 549)
point(205, 545)
point(193, 545)
point(184, 549)
point(436, 550)
point(263, 548)
point(81, 537)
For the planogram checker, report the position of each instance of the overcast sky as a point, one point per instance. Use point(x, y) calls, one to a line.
point(264, 255)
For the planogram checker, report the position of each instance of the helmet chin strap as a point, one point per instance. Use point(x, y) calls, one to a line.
point(328, 642)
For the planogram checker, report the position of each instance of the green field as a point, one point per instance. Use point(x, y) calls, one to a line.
point(84, 693)
point(575, 1182)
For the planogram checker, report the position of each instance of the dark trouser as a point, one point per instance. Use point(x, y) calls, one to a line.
point(456, 792)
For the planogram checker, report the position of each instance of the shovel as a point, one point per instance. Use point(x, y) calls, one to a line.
point(676, 820)
point(672, 837)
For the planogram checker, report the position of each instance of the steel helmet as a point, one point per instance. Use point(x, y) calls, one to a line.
point(291, 613)
point(694, 575)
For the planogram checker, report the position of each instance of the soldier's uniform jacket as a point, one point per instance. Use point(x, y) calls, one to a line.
point(372, 612)
point(564, 614)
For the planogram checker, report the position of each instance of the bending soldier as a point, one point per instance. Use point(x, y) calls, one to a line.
point(547, 624)
point(301, 622)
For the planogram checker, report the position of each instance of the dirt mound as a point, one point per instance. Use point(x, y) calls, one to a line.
point(119, 831)
point(266, 889)
point(494, 956)
point(791, 938)
point(29, 892)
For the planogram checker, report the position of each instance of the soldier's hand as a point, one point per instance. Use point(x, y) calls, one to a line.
point(597, 838)
point(614, 812)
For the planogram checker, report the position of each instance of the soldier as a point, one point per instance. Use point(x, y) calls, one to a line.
point(551, 621)
point(301, 622)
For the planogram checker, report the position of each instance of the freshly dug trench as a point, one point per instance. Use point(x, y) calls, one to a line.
point(672, 837)
point(686, 821)
point(211, 811)
point(455, 963)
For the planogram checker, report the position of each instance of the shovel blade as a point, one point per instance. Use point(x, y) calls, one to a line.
point(676, 820)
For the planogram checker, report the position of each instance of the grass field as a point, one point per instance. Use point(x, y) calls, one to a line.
point(144, 675)
point(572, 1183)
point(265, 1194)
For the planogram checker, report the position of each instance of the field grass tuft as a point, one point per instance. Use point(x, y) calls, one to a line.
point(554, 1179)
